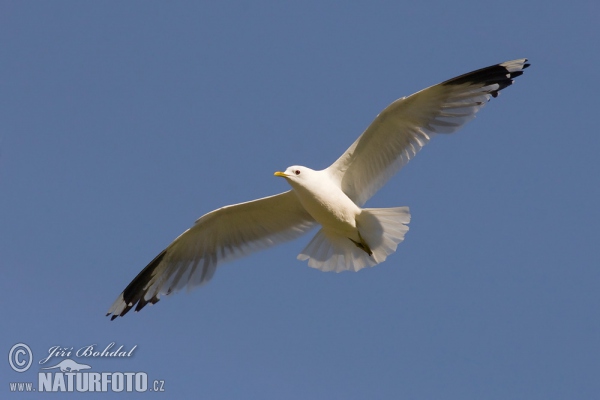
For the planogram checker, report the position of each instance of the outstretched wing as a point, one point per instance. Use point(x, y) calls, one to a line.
point(221, 235)
point(406, 125)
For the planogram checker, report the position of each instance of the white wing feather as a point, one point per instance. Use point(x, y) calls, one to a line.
point(221, 235)
point(406, 125)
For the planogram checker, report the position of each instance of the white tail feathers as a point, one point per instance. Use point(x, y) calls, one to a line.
point(382, 229)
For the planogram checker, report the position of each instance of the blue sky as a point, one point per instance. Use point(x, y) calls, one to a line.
point(121, 123)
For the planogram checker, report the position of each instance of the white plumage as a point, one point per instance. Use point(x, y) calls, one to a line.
point(350, 237)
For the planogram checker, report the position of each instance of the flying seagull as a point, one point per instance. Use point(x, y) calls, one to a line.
point(351, 237)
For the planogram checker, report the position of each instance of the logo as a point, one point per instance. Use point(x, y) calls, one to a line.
point(65, 374)
point(69, 366)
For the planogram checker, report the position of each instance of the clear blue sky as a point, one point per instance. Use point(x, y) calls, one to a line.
point(122, 122)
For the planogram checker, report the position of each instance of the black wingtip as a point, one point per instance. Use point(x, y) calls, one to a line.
point(134, 293)
point(500, 74)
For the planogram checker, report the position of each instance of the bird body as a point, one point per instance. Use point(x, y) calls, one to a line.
point(351, 237)
point(323, 198)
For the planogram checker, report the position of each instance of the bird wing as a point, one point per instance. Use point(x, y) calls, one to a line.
point(221, 235)
point(406, 125)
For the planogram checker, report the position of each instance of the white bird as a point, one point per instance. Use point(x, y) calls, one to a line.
point(350, 237)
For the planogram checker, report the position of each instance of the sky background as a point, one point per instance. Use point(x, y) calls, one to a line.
point(123, 122)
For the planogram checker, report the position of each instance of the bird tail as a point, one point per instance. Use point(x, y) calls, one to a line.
point(381, 229)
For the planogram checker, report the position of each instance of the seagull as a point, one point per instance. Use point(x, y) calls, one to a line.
point(350, 237)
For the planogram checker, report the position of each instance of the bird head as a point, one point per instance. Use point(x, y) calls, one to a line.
point(295, 173)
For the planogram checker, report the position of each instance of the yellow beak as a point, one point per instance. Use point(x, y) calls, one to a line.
point(281, 174)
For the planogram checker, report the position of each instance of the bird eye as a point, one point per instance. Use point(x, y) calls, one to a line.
point(297, 172)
